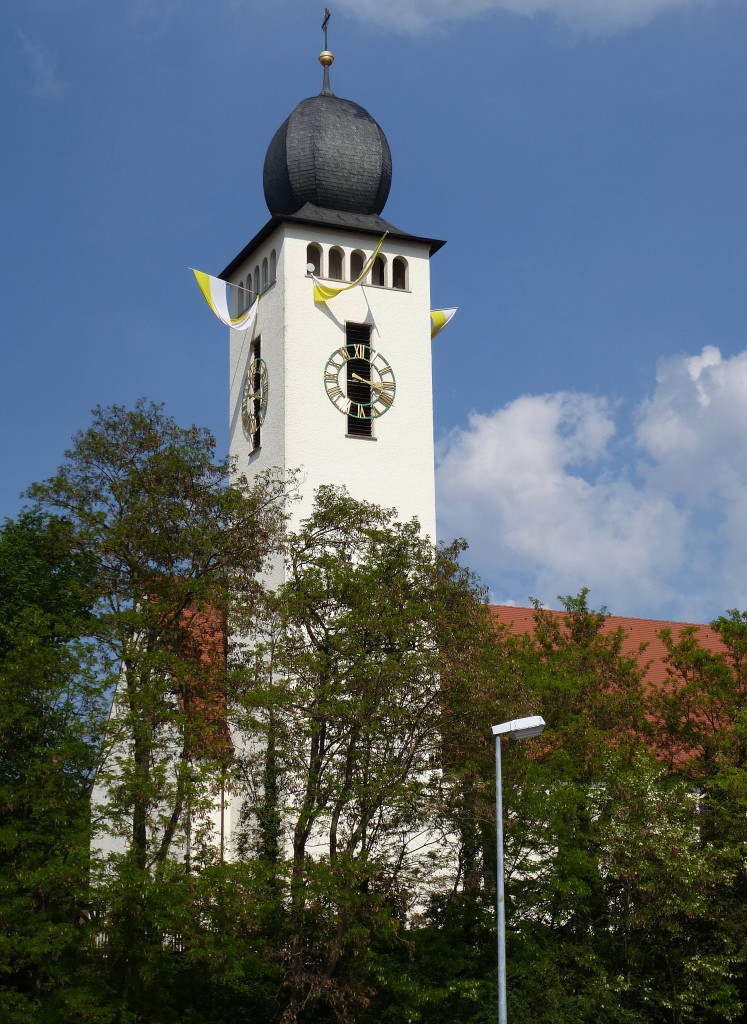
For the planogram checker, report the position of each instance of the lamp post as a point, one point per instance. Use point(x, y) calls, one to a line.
point(518, 729)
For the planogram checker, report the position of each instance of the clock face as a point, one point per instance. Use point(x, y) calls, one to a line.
point(254, 400)
point(359, 382)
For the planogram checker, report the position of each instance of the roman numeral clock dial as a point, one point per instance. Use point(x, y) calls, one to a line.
point(254, 398)
point(359, 382)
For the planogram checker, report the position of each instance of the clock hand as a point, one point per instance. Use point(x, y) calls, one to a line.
point(379, 385)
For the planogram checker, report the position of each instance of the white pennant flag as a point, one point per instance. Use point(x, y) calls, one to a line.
point(216, 295)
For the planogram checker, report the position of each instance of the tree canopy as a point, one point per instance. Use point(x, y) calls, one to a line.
point(149, 675)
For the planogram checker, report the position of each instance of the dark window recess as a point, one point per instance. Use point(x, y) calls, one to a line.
point(377, 274)
point(335, 264)
point(357, 262)
point(314, 258)
point(358, 342)
point(246, 296)
point(399, 273)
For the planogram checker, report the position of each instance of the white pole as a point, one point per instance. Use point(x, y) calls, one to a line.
point(499, 886)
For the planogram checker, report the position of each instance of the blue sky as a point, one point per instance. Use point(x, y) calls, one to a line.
point(585, 160)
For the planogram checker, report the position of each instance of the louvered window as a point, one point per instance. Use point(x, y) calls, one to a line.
point(256, 385)
point(358, 341)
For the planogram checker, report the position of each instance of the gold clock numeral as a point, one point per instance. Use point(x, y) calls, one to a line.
point(380, 392)
point(254, 398)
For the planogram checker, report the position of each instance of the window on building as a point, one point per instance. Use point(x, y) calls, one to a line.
point(399, 272)
point(273, 267)
point(245, 297)
point(358, 342)
point(357, 263)
point(335, 264)
point(265, 273)
point(314, 259)
point(256, 280)
point(378, 271)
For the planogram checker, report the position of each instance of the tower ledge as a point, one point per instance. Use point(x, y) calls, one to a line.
point(365, 223)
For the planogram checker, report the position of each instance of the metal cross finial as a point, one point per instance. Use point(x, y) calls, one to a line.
point(325, 57)
point(324, 26)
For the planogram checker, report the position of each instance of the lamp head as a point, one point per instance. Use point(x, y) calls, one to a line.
point(521, 728)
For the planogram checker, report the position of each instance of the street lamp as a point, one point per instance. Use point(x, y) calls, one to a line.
point(518, 729)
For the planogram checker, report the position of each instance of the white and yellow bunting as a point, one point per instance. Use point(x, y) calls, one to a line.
point(440, 318)
point(323, 294)
point(216, 296)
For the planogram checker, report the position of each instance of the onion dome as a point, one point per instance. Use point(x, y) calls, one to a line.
point(331, 153)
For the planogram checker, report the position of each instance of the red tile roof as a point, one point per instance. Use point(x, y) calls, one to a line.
point(637, 631)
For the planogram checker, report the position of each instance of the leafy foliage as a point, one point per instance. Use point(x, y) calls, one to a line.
point(362, 884)
point(51, 707)
point(344, 689)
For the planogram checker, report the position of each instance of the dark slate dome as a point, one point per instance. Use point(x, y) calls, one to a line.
point(331, 153)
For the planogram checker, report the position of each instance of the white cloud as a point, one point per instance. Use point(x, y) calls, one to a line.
point(531, 489)
point(694, 427)
point(694, 432)
point(551, 499)
point(42, 66)
point(592, 16)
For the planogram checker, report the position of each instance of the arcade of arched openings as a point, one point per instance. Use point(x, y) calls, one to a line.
point(336, 265)
point(257, 281)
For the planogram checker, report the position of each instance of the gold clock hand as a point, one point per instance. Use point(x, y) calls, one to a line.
point(379, 385)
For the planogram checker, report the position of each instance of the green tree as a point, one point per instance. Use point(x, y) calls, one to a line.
point(613, 893)
point(669, 956)
point(171, 543)
point(344, 690)
point(576, 674)
point(701, 729)
point(51, 712)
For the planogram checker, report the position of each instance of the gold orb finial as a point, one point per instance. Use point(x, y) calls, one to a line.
point(326, 58)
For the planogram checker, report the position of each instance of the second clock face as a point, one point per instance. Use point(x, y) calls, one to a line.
point(254, 400)
point(359, 382)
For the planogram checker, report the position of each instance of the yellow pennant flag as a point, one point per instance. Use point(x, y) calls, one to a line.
point(215, 292)
point(440, 318)
point(323, 294)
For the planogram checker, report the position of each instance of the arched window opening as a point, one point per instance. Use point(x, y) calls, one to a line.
point(265, 279)
point(378, 271)
point(273, 267)
point(399, 272)
point(314, 259)
point(244, 294)
point(335, 264)
point(357, 263)
point(256, 280)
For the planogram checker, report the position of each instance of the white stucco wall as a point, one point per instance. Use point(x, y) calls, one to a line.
point(302, 429)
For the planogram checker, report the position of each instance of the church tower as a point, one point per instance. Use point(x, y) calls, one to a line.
point(338, 389)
